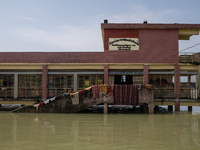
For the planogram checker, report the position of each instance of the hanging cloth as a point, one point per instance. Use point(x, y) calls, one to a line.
point(95, 91)
point(130, 94)
point(46, 102)
point(81, 94)
point(135, 99)
point(66, 94)
point(41, 104)
point(36, 106)
point(52, 99)
point(88, 89)
point(121, 94)
point(75, 100)
point(125, 95)
point(116, 94)
point(103, 88)
point(72, 95)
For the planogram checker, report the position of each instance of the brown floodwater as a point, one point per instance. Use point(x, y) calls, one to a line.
point(174, 131)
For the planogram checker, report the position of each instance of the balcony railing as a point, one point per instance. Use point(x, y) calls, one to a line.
point(189, 57)
point(164, 93)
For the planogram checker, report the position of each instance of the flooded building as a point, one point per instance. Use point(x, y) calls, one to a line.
point(133, 53)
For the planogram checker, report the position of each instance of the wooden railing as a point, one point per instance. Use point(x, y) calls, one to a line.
point(27, 93)
point(8, 93)
point(189, 57)
point(164, 93)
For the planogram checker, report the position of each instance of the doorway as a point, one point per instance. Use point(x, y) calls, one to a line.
point(123, 79)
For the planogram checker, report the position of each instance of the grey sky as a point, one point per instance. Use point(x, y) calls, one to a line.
point(65, 25)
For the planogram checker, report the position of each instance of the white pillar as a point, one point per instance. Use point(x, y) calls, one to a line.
point(15, 85)
point(75, 82)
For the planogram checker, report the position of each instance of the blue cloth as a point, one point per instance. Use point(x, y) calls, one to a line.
point(66, 94)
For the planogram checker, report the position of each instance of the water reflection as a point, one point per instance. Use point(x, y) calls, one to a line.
point(98, 131)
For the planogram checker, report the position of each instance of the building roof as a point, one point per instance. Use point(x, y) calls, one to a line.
point(185, 30)
point(149, 26)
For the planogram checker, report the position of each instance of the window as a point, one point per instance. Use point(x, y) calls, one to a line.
point(85, 81)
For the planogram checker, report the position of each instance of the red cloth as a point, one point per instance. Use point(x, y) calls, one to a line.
point(110, 90)
point(121, 94)
point(116, 92)
point(135, 98)
point(81, 94)
point(95, 91)
point(126, 95)
point(130, 95)
point(41, 104)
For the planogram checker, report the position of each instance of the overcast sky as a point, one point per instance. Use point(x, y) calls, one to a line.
point(74, 25)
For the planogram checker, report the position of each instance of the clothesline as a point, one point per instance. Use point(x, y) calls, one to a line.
point(123, 94)
point(76, 97)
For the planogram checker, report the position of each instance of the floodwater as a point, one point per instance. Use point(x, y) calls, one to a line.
point(172, 130)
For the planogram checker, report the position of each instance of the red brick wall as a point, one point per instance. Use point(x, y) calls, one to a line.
point(105, 74)
point(177, 81)
point(156, 46)
point(118, 33)
point(146, 74)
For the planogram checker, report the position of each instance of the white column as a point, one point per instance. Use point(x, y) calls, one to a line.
point(15, 85)
point(75, 82)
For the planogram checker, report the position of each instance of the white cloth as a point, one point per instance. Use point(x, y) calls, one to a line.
point(36, 105)
point(52, 99)
point(75, 100)
point(46, 102)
